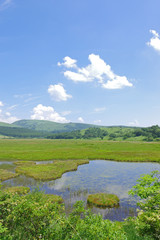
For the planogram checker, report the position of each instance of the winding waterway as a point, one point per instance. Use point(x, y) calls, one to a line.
point(97, 176)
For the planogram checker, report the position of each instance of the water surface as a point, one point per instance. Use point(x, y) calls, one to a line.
point(97, 176)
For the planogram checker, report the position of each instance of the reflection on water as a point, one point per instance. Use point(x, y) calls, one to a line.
point(5, 162)
point(9, 166)
point(97, 176)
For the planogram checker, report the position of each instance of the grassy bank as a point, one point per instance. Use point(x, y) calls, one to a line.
point(43, 149)
point(5, 175)
point(48, 171)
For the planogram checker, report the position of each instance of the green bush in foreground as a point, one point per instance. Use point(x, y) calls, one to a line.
point(148, 219)
point(34, 216)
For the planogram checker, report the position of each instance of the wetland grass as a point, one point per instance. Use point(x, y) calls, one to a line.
point(49, 171)
point(48, 149)
point(5, 175)
point(103, 200)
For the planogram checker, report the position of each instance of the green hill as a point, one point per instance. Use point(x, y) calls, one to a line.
point(19, 132)
point(4, 124)
point(43, 125)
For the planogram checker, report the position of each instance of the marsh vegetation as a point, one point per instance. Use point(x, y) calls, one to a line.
point(50, 219)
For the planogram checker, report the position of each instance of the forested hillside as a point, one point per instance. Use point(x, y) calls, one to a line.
point(48, 126)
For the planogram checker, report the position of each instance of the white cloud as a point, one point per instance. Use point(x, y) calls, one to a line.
point(6, 117)
point(5, 4)
point(97, 70)
point(68, 62)
point(58, 93)
point(1, 104)
point(13, 106)
point(80, 119)
point(26, 95)
point(101, 109)
point(97, 121)
point(41, 112)
point(134, 123)
point(8, 114)
point(65, 113)
point(154, 41)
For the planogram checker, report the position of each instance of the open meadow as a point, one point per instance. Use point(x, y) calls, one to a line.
point(47, 149)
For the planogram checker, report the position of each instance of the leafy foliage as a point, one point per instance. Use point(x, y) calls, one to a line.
point(148, 189)
point(34, 216)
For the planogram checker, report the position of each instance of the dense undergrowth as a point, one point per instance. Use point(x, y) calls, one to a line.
point(36, 216)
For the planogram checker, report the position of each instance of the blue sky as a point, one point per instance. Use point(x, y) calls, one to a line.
point(80, 61)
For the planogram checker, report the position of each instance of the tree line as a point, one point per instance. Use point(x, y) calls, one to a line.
point(120, 133)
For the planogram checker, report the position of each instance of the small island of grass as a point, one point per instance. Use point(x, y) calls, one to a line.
point(103, 200)
point(5, 175)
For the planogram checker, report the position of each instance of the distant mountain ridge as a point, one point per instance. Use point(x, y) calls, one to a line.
point(54, 127)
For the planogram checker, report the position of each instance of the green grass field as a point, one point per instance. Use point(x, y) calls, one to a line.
point(43, 149)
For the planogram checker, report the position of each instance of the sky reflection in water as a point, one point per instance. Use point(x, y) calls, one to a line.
point(97, 176)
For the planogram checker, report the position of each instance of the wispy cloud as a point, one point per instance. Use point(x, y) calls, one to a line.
point(13, 107)
point(6, 116)
point(96, 70)
point(22, 95)
point(154, 41)
point(100, 109)
point(65, 113)
point(134, 123)
point(30, 99)
point(97, 121)
point(5, 4)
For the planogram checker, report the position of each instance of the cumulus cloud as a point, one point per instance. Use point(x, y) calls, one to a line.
point(97, 70)
point(154, 41)
point(41, 112)
point(58, 93)
point(5, 4)
point(68, 62)
point(81, 120)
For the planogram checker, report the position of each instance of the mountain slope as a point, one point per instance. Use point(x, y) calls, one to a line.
point(43, 125)
point(19, 132)
point(4, 124)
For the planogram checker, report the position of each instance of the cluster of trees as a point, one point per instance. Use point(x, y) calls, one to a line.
point(150, 133)
point(147, 134)
point(88, 133)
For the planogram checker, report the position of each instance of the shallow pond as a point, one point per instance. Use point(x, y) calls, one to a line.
point(97, 176)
